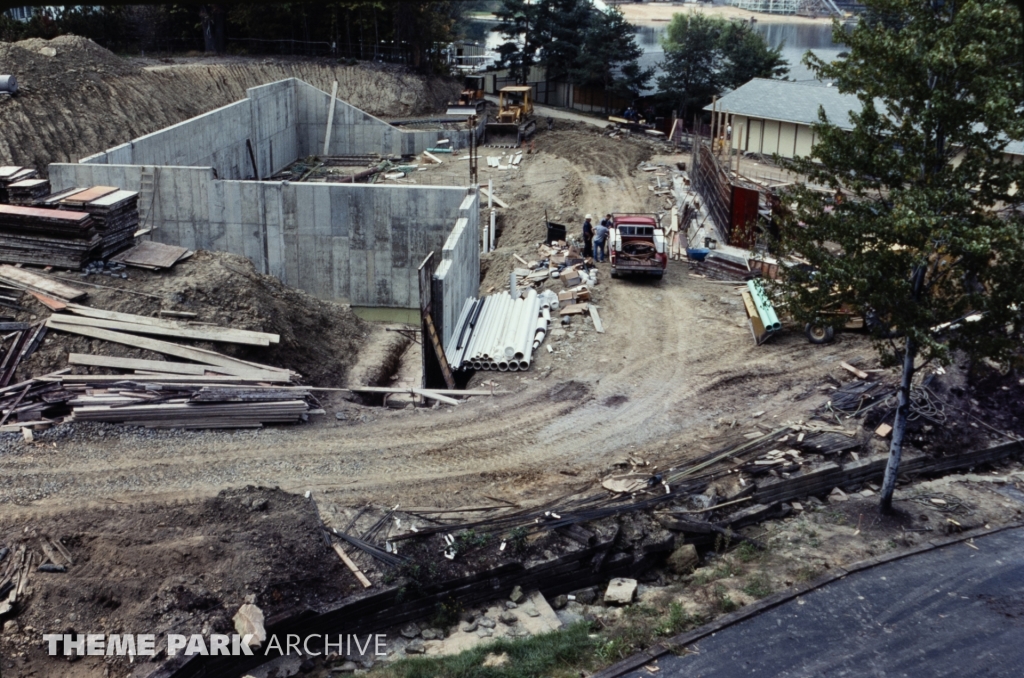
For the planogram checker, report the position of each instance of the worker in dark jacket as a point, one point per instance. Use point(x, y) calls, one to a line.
point(588, 237)
point(600, 237)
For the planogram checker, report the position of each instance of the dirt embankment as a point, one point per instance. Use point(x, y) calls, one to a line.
point(170, 569)
point(319, 339)
point(86, 99)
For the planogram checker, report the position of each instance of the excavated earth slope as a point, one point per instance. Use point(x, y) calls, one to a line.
point(86, 99)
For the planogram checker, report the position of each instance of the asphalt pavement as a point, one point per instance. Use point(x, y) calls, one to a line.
point(957, 610)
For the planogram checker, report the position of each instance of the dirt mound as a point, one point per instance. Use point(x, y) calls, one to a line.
point(179, 569)
point(319, 339)
point(76, 60)
point(86, 99)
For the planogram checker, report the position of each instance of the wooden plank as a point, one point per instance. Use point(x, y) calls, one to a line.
point(220, 334)
point(88, 195)
point(37, 283)
point(165, 347)
point(13, 327)
point(440, 391)
point(598, 325)
point(574, 309)
point(351, 565)
point(522, 261)
point(434, 395)
point(136, 364)
point(150, 254)
point(163, 379)
point(860, 374)
point(497, 201)
point(49, 302)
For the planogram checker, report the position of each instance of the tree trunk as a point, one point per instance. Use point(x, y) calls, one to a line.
point(899, 427)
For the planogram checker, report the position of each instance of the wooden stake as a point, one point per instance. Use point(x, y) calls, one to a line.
point(352, 566)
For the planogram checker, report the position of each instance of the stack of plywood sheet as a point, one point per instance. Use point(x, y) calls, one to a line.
point(32, 235)
point(116, 214)
point(28, 192)
point(12, 174)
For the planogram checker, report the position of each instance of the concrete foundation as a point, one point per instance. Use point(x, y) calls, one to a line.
point(352, 242)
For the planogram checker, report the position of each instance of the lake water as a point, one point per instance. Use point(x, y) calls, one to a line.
point(795, 38)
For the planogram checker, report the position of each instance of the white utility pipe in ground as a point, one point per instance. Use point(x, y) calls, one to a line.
point(508, 349)
point(527, 324)
point(474, 339)
point(497, 326)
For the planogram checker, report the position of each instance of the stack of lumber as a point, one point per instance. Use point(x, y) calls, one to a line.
point(187, 405)
point(28, 192)
point(12, 174)
point(31, 235)
point(126, 328)
point(115, 213)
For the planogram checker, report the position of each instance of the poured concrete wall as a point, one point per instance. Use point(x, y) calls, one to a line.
point(457, 276)
point(351, 242)
point(283, 121)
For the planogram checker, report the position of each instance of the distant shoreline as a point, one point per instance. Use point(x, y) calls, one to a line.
point(659, 14)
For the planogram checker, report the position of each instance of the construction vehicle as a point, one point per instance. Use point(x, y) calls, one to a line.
point(514, 121)
point(471, 101)
point(637, 245)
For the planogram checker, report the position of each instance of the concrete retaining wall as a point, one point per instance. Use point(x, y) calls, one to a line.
point(457, 277)
point(351, 242)
point(283, 121)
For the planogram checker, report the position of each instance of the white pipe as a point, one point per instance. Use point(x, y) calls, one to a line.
point(478, 331)
point(503, 366)
point(528, 325)
point(497, 348)
point(545, 313)
point(512, 331)
point(494, 321)
point(524, 365)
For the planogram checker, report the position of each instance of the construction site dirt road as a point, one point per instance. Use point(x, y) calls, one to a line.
point(675, 361)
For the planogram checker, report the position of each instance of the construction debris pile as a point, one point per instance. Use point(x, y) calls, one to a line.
point(211, 391)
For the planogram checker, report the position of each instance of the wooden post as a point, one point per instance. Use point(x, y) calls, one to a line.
point(714, 122)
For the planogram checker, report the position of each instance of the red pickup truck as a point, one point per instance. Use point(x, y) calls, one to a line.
point(637, 245)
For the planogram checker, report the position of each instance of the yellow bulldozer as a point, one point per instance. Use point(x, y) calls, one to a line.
point(514, 121)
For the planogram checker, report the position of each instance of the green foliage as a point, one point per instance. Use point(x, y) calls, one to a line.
point(561, 653)
point(516, 542)
point(758, 585)
point(706, 55)
point(447, 614)
point(929, 229)
point(469, 540)
point(574, 41)
point(409, 31)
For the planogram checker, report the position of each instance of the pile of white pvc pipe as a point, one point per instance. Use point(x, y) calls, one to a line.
point(500, 332)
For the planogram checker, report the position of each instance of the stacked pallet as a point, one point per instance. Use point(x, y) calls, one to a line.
point(32, 235)
point(12, 174)
point(28, 192)
point(115, 213)
point(187, 405)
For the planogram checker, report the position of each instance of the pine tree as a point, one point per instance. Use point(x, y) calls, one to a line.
point(929, 230)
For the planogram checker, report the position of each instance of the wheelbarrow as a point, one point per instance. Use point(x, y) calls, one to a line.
point(697, 253)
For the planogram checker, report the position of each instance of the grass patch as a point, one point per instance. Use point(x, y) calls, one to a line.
point(724, 570)
point(640, 627)
point(559, 654)
point(748, 553)
point(759, 585)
